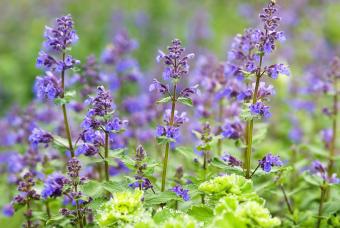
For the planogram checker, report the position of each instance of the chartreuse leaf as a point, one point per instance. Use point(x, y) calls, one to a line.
point(185, 100)
point(164, 100)
point(201, 213)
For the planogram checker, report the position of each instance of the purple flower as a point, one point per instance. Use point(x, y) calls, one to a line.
point(143, 183)
point(231, 160)
point(318, 169)
point(176, 62)
point(181, 192)
point(86, 149)
point(102, 104)
point(119, 168)
point(116, 124)
point(273, 71)
point(159, 87)
point(8, 210)
point(53, 186)
point(73, 167)
point(232, 130)
point(168, 131)
point(46, 62)
point(269, 161)
point(40, 136)
point(260, 109)
point(62, 35)
point(47, 87)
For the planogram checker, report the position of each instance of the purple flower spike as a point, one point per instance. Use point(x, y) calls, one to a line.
point(231, 160)
point(40, 136)
point(53, 186)
point(260, 109)
point(183, 193)
point(269, 161)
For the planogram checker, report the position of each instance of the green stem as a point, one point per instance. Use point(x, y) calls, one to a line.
point(290, 208)
point(106, 155)
point(322, 199)
point(79, 217)
point(28, 216)
point(250, 124)
point(167, 146)
point(67, 126)
point(334, 129)
point(48, 211)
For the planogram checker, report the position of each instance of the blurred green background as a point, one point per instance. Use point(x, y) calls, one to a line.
point(153, 23)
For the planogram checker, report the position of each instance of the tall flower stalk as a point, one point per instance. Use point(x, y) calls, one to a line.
point(245, 61)
point(58, 41)
point(176, 67)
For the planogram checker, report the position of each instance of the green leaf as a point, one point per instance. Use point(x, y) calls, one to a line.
point(92, 188)
point(313, 180)
point(114, 186)
point(162, 197)
point(201, 213)
point(164, 140)
point(164, 100)
point(185, 100)
point(60, 142)
point(66, 99)
point(216, 162)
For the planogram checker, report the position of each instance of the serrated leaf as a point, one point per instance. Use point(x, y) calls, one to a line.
point(92, 188)
point(113, 186)
point(201, 213)
point(165, 214)
point(185, 100)
point(160, 198)
point(164, 100)
point(60, 142)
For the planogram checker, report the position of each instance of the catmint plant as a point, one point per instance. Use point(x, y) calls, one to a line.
point(176, 67)
point(246, 62)
point(55, 61)
point(99, 125)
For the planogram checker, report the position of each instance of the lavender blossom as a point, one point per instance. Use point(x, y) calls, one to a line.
point(269, 161)
point(48, 87)
point(231, 160)
point(53, 186)
point(318, 169)
point(181, 192)
point(40, 136)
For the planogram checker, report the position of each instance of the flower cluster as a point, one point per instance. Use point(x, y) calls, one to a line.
point(176, 62)
point(268, 161)
point(99, 121)
point(231, 160)
point(320, 170)
point(53, 59)
point(181, 192)
point(142, 182)
point(171, 128)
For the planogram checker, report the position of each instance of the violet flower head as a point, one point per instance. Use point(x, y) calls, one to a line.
point(231, 160)
point(183, 193)
point(270, 21)
point(47, 87)
point(62, 35)
point(319, 169)
point(53, 186)
point(86, 149)
point(269, 161)
point(327, 135)
point(73, 168)
point(260, 109)
point(233, 130)
point(101, 104)
point(176, 62)
point(40, 136)
point(159, 87)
